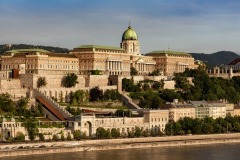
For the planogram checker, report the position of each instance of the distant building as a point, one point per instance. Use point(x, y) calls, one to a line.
point(171, 62)
point(180, 110)
point(212, 109)
point(152, 120)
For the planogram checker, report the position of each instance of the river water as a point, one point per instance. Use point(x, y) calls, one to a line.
point(199, 152)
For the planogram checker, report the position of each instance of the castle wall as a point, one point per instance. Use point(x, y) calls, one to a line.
point(6, 84)
point(15, 93)
point(156, 78)
point(96, 80)
point(169, 85)
point(53, 81)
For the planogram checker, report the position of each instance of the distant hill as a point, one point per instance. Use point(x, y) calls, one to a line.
point(216, 59)
point(4, 48)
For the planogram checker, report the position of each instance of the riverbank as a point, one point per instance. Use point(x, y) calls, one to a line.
point(112, 144)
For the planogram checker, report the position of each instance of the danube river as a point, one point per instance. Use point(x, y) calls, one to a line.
point(199, 152)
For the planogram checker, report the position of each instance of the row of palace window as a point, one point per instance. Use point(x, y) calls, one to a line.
point(159, 119)
point(42, 60)
point(31, 66)
point(11, 125)
point(44, 66)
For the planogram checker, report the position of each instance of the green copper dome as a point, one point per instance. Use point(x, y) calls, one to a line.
point(129, 34)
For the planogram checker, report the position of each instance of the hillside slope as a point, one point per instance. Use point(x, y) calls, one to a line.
point(216, 59)
point(4, 47)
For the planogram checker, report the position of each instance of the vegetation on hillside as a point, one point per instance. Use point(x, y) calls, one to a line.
point(9, 109)
point(216, 59)
point(4, 48)
point(203, 88)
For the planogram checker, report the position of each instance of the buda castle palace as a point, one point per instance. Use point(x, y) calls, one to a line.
point(86, 58)
point(20, 69)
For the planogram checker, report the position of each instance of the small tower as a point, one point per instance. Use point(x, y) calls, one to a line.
point(130, 42)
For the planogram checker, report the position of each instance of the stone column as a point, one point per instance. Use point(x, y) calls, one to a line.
point(119, 65)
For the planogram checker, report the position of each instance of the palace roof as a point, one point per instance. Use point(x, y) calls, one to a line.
point(164, 52)
point(27, 50)
point(99, 47)
point(129, 34)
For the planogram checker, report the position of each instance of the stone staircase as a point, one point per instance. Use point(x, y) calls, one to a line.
point(57, 109)
point(128, 101)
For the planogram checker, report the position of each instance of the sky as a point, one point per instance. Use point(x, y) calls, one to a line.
point(193, 26)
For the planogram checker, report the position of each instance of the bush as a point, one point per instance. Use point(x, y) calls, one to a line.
point(69, 138)
point(41, 137)
point(96, 94)
point(20, 137)
point(55, 137)
point(77, 135)
point(145, 133)
point(138, 132)
point(84, 136)
point(115, 133)
point(62, 137)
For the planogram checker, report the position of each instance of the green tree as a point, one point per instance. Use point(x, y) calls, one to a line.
point(110, 94)
point(55, 137)
point(156, 72)
point(41, 137)
point(41, 82)
point(133, 71)
point(77, 134)
point(69, 138)
point(137, 132)
point(1, 137)
point(96, 94)
point(157, 102)
point(20, 137)
point(6, 103)
point(115, 133)
point(146, 86)
point(128, 85)
point(78, 97)
point(22, 107)
point(101, 133)
point(169, 95)
point(70, 80)
point(95, 72)
point(158, 85)
point(62, 137)
point(31, 127)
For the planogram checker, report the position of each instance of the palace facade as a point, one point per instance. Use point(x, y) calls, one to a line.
point(87, 58)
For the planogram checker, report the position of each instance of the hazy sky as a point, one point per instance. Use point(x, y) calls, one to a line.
point(204, 26)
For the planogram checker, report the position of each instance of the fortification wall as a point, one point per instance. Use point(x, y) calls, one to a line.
point(53, 81)
point(169, 85)
point(96, 80)
point(15, 93)
point(156, 78)
point(6, 84)
point(136, 79)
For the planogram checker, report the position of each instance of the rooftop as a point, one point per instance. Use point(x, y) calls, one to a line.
point(27, 50)
point(163, 52)
point(99, 47)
